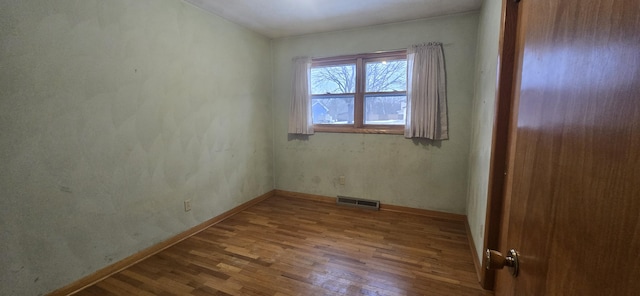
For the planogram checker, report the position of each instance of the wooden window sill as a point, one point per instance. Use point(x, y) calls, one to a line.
point(393, 130)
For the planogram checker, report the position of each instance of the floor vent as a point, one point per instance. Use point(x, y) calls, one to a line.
point(358, 202)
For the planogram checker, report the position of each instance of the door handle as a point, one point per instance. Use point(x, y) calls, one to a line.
point(495, 260)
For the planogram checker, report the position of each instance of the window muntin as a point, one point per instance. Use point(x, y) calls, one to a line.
point(360, 94)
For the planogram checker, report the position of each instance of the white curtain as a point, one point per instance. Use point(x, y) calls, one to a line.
point(426, 93)
point(300, 120)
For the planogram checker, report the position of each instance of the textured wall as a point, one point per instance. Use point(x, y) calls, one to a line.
point(111, 114)
point(482, 118)
point(389, 168)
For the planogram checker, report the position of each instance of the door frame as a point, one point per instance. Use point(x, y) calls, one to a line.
point(500, 138)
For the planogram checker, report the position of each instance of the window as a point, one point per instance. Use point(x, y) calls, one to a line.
point(360, 94)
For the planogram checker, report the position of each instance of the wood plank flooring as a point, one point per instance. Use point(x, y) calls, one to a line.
point(290, 246)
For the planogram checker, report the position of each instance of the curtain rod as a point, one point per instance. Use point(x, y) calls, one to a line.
point(346, 56)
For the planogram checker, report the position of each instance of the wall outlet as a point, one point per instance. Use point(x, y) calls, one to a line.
point(343, 180)
point(187, 205)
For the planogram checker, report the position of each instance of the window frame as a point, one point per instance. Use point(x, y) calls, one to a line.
point(359, 125)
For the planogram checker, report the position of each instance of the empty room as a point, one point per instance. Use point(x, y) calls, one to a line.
point(307, 147)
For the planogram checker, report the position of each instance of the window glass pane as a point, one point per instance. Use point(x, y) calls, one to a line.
point(385, 109)
point(335, 79)
point(332, 110)
point(383, 76)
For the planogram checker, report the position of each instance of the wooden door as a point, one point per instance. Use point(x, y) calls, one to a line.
point(572, 197)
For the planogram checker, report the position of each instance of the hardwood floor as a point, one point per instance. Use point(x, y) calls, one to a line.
point(290, 246)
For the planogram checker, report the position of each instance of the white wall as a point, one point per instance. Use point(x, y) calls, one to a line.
point(112, 113)
point(389, 168)
point(482, 119)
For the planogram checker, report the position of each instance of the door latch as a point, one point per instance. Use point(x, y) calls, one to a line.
point(495, 260)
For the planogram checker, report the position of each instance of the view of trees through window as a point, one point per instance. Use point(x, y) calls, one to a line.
point(335, 88)
point(385, 98)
